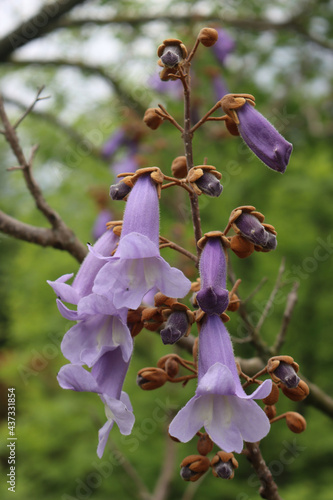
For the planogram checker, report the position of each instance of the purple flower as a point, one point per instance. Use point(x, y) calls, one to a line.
point(213, 296)
point(263, 139)
point(251, 229)
point(137, 266)
point(100, 326)
point(172, 87)
point(102, 218)
point(220, 404)
point(106, 379)
point(115, 141)
point(224, 45)
point(128, 163)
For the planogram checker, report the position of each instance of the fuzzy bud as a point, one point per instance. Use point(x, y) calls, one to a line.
point(193, 467)
point(205, 444)
point(234, 303)
point(152, 119)
point(208, 37)
point(298, 393)
point(270, 411)
point(175, 328)
point(223, 465)
point(253, 230)
point(283, 369)
point(273, 397)
point(209, 185)
point(151, 378)
point(119, 191)
point(295, 422)
point(179, 167)
point(241, 247)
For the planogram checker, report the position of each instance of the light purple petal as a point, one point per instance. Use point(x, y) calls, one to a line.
point(222, 427)
point(65, 292)
point(250, 419)
point(103, 435)
point(188, 420)
point(66, 312)
point(217, 380)
point(76, 378)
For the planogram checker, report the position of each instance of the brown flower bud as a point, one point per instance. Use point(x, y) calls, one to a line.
point(298, 393)
point(208, 37)
point(152, 318)
point(205, 444)
point(234, 303)
point(241, 247)
point(223, 465)
point(169, 363)
point(193, 467)
point(270, 411)
point(295, 422)
point(283, 369)
point(231, 126)
point(151, 378)
point(273, 396)
point(152, 119)
point(134, 321)
point(179, 167)
point(162, 300)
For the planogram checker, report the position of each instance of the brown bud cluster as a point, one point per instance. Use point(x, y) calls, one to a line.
point(273, 396)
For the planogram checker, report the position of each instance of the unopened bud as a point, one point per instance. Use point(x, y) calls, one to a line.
point(175, 328)
point(234, 303)
point(208, 36)
point(295, 422)
point(151, 378)
point(179, 167)
point(152, 119)
point(193, 467)
point(241, 247)
point(119, 191)
point(253, 230)
point(283, 369)
point(209, 184)
point(273, 396)
point(152, 318)
point(223, 465)
point(270, 411)
point(205, 444)
point(298, 393)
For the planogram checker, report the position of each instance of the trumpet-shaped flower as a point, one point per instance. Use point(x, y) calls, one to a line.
point(263, 139)
point(220, 404)
point(137, 266)
point(213, 296)
point(106, 379)
point(100, 326)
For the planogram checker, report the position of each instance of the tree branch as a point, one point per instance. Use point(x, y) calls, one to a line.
point(268, 487)
point(38, 25)
point(124, 96)
point(60, 236)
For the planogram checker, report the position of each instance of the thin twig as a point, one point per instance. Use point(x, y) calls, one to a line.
point(291, 303)
point(205, 117)
point(30, 108)
point(256, 290)
point(272, 296)
point(167, 243)
point(163, 482)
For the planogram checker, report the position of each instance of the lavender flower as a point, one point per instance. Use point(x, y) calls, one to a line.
point(263, 139)
point(220, 404)
point(137, 266)
point(106, 379)
point(224, 45)
point(213, 296)
point(100, 326)
point(102, 218)
point(115, 141)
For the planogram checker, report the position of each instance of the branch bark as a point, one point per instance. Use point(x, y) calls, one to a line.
point(38, 25)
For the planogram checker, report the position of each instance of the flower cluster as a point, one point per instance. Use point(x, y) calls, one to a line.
point(125, 285)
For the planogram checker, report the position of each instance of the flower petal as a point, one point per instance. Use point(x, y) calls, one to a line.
point(76, 378)
point(188, 420)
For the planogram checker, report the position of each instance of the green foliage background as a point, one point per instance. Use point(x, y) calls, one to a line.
point(57, 429)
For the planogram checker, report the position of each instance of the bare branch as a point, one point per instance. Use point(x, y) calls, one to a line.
point(163, 482)
point(124, 96)
point(60, 236)
point(38, 25)
point(27, 111)
point(268, 487)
